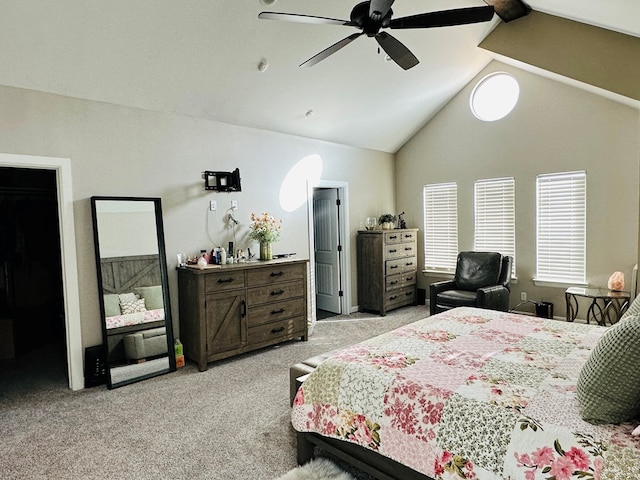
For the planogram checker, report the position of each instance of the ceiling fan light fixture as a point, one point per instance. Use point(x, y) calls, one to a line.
point(268, 2)
point(494, 96)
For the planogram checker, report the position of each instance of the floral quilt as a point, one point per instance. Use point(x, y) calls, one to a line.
point(470, 394)
point(136, 318)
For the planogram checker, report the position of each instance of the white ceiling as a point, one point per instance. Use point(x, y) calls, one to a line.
point(200, 58)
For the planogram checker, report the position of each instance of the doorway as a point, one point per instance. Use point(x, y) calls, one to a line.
point(68, 271)
point(330, 248)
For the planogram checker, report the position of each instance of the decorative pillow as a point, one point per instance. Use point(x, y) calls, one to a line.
point(608, 387)
point(152, 296)
point(127, 297)
point(111, 305)
point(133, 307)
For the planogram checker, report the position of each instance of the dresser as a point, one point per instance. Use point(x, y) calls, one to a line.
point(232, 309)
point(387, 269)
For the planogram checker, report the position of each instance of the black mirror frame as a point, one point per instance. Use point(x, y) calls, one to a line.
point(157, 203)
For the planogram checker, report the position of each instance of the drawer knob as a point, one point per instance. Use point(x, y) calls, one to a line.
point(393, 297)
point(393, 266)
point(277, 312)
point(408, 249)
point(277, 330)
point(393, 283)
point(393, 237)
point(393, 251)
point(277, 292)
point(408, 264)
point(225, 280)
point(277, 274)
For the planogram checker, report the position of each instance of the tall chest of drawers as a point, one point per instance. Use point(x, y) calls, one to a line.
point(237, 308)
point(387, 269)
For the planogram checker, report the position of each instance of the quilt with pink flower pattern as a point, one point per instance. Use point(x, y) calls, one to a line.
point(470, 394)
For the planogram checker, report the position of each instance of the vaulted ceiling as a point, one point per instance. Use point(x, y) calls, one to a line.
point(201, 58)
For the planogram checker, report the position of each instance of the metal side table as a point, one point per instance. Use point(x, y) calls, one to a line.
point(606, 305)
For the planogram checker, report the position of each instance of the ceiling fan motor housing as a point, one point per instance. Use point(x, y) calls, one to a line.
point(360, 17)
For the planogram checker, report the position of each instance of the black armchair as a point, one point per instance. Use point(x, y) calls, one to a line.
point(482, 280)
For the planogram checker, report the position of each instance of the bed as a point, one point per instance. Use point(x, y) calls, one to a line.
point(474, 394)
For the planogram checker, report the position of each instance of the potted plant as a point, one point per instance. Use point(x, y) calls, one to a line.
point(386, 220)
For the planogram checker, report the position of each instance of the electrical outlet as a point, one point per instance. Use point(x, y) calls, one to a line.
point(523, 296)
point(213, 205)
point(234, 204)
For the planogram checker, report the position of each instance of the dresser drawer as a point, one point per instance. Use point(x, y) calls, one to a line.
point(411, 236)
point(275, 293)
point(404, 296)
point(275, 274)
point(394, 236)
point(275, 311)
point(393, 282)
point(273, 332)
point(401, 265)
point(221, 281)
point(399, 250)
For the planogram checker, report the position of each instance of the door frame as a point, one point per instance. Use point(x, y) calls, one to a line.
point(73, 325)
point(344, 240)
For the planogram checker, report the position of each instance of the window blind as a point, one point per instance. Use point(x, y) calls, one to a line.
point(561, 227)
point(440, 226)
point(495, 217)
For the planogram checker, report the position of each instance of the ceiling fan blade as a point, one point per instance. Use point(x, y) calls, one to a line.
point(397, 51)
point(331, 50)
point(298, 18)
point(445, 18)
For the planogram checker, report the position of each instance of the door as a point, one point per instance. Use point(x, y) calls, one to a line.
point(327, 249)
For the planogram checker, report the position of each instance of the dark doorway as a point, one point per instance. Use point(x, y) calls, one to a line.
point(32, 326)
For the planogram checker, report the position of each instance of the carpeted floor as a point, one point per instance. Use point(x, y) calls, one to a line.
point(230, 422)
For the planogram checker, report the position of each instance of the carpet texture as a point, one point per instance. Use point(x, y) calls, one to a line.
point(318, 469)
point(231, 422)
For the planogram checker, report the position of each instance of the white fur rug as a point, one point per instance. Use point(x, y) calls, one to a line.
point(317, 469)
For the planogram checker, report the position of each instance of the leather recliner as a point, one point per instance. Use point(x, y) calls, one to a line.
point(482, 280)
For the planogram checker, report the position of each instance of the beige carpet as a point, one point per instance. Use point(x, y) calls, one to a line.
point(228, 423)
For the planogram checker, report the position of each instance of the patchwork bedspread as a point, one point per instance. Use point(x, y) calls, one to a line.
point(136, 318)
point(470, 394)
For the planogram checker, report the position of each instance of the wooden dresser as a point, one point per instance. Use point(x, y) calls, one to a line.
point(241, 307)
point(387, 269)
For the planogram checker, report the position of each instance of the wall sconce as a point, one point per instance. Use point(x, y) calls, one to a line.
point(222, 181)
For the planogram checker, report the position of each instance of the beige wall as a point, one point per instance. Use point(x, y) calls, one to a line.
point(130, 152)
point(553, 128)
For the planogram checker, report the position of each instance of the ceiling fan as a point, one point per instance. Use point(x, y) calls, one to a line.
point(373, 15)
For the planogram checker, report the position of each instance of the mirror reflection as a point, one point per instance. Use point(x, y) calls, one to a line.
point(132, 280)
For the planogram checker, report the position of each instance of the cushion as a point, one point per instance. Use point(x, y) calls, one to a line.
point(152, 296)
point(133, 307)
point(608, 387)
point(111, 305)
point(477, 270)
point(127, 297)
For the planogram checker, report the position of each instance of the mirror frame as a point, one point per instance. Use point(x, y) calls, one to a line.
point(157, 204)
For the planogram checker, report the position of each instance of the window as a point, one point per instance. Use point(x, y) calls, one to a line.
point(494, 96)
point(440, 227)
point(561, 227)
point(495, 217)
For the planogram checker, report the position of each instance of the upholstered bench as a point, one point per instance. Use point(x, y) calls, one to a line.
point(139, 346)
point(299, 372)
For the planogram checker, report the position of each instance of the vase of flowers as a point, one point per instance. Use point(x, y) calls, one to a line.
point(265, 229)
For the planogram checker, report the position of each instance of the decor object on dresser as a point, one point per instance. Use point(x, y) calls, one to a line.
point(265, 229)
point(386, 221)
point(387, 269)
point(482, 279)
point(133, 287)
point(241, 307)
point(473, 393)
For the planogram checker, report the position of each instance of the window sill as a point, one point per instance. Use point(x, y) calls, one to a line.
point(558, 283)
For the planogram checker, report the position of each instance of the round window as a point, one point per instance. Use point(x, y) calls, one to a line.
point(494, 96)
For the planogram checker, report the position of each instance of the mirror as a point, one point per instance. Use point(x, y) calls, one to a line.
point(131, 263)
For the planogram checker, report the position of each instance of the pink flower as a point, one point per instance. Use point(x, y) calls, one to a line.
point(562, 468)
point(446, 457)
point(530, 475)
point(579, 458)
point(543, 456)
point(299, 400)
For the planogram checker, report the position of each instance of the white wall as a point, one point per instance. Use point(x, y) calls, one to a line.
point(554, 128)
point(130, 152)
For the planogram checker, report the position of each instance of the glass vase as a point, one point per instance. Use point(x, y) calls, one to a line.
point(265, 251)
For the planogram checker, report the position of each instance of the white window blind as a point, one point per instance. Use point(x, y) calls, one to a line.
point(495, 217)
point(440, 227)
point(561, 227)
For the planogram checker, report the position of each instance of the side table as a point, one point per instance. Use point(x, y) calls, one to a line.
point(606, 305)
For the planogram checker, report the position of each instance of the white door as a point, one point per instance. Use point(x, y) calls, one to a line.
point(327, 249)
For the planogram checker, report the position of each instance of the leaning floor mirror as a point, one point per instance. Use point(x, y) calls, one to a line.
point(133, 288)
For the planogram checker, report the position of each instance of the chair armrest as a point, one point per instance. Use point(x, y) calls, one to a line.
point(437, 287)
point(495, 297)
